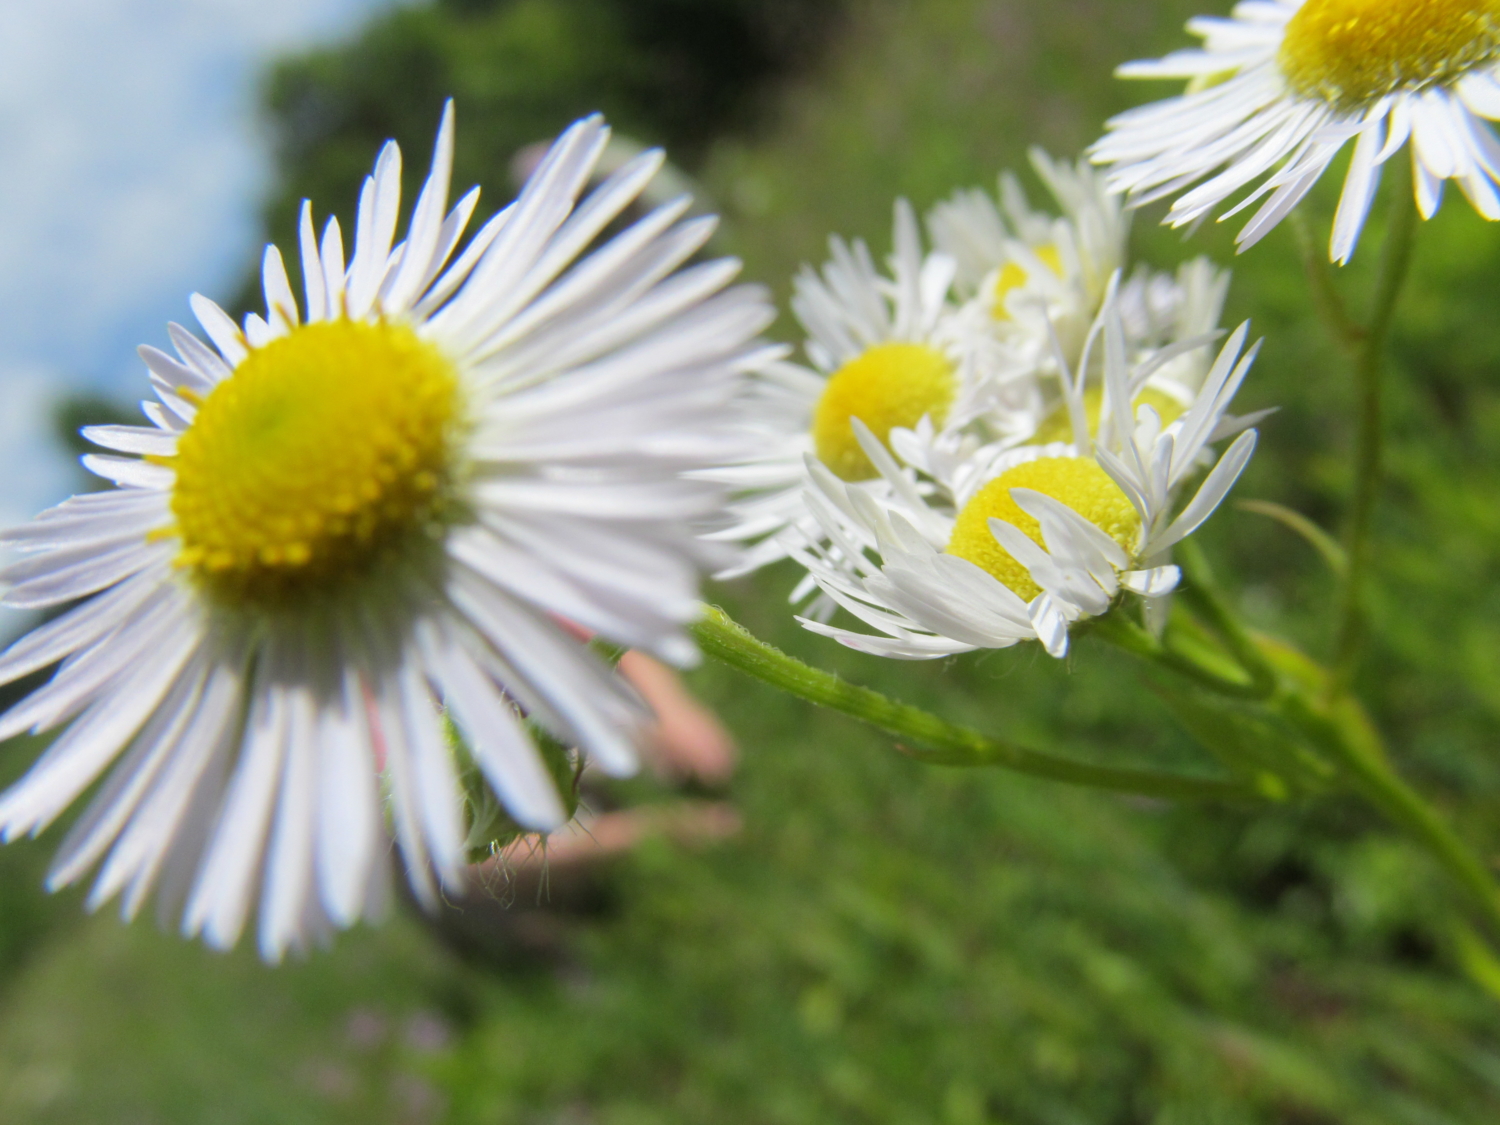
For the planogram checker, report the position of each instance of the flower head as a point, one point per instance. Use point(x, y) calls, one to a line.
point(354, 515)
point(1280, 87)
point(952, 390)
point(1022, 267)
point(1054, 533)
point(885, 351)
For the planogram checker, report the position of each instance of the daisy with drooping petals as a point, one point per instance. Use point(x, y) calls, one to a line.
point(1052, 538)
point(1280, 87)
point(1038, 282)
point(1024, 269)
point(884, 351)
point(351, 516)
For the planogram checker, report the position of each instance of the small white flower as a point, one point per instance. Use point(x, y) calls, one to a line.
point(1280, 87)
point(1037, 282)
point(1023, 268)
point(1053, 537)
point(883, 350)
point(350, 516)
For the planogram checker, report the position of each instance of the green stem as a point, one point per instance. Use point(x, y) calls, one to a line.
point(1327, 301)
point(1200, 592)
point(1124, 633)
point(948, 744)
point(1395, 257)
point(1347, 735)
point(1319, 540)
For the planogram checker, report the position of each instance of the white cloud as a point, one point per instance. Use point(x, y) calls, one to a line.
point(132, 169)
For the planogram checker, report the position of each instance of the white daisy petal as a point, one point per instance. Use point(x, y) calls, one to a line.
point(347, 814)
point(281, 305)
point(493, 728)
point(135, 862)
point(1208, 496)
point(424, 242)
point(1359, 190)
point(436, 779)
point(288, 877)
point(331, 254)
point(173, 372)
point(379, 202)
point(1151, 583)
point(220, 327)
point(315, 288)
point(132, 439)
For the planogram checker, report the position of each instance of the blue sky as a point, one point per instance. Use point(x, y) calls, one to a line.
point(133, 164)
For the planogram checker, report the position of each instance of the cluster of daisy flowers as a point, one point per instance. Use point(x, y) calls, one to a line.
point(359, 545)
point(995, 437)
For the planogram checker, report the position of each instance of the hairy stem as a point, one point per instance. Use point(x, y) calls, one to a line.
point(938, 741)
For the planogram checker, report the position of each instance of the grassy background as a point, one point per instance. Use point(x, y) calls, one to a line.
point(886, 942)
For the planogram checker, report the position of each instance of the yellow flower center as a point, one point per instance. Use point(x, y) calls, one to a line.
point(1080, 484)
point(1013, 275)
point(889, 385)
point(323, 449)
point(1058, 426)
point(1351, 52)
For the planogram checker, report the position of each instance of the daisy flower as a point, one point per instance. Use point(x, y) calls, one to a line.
point(351, 518)
point(1052, 538)
point(1036, 283)
point(883, 350)
point(1165, 321)
point(1021, 267)
point(1280, 87)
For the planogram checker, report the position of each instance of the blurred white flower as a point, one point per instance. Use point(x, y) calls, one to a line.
point(350, 515)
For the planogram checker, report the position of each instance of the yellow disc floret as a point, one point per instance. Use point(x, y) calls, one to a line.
point(1058, 426)
point(1351, 52)
point(887, 386)
point(323, 449)
point(1013, 275)
point(1080, 484)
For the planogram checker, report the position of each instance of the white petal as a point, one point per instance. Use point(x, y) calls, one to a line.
point(1151, 583)
point(348, 831)
point(510, 762)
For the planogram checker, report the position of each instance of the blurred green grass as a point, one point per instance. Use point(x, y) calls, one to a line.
point(886, 942)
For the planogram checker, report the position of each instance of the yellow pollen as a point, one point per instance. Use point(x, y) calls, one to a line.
point(1350, 53)
point(887, 386)
point(322, 450)
point(1080, 484)
point(1013, 275)
point(1058, 426)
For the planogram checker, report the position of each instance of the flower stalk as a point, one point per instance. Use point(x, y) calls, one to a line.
point(935, 740)
point(1369, 367)
point(1331, 720)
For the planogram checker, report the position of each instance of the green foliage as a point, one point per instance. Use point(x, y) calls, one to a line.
point(675, 72)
